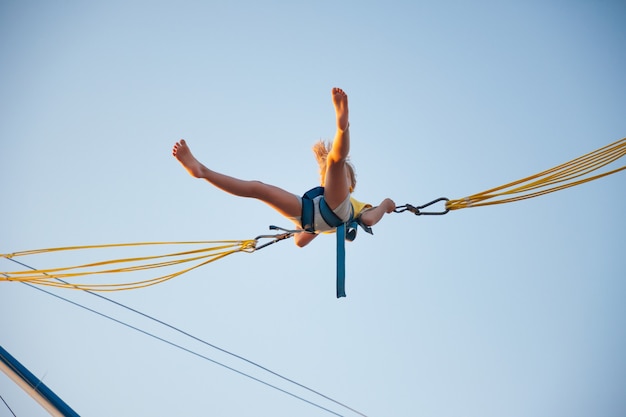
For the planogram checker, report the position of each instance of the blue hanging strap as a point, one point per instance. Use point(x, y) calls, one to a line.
point(345, 231)
point(341, 261)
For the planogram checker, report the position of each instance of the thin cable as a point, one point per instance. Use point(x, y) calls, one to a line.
point(5, 403)
point(205, 343)
point(227, 352)
point(182, 348)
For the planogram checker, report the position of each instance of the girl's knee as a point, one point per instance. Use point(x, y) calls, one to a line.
point(256, 189)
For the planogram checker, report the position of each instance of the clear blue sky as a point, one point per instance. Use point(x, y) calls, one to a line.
point(512, 310)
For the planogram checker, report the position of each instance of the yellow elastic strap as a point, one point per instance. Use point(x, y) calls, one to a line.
point(555, 179)
point(51, 276)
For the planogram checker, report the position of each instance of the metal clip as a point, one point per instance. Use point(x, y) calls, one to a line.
point(276, 238)
point(418, 210)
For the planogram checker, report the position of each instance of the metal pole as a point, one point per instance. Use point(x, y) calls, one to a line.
point(33, 386)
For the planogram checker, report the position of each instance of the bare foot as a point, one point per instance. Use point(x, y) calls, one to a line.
point(340, 101)
point(182, 152)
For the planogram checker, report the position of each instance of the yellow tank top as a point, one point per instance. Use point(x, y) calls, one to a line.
point(359, 206)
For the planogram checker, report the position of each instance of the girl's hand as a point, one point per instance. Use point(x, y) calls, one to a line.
point(388, 205)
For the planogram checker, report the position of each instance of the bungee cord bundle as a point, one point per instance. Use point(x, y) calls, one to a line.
point(566, 175)
point(208, 252)
point(558, 178)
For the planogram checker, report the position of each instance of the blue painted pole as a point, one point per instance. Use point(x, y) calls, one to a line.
point(33, 386)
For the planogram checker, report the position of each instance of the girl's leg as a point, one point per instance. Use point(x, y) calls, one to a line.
point(337, 187)
point(282, 201)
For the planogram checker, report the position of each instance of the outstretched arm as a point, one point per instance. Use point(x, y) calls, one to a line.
point(373, 215)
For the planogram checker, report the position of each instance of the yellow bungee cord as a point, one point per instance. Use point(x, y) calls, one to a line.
point(549, 181)
point(566, 175)
point(208, 252)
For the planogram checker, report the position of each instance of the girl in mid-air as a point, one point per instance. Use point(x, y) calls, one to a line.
point(337, 177)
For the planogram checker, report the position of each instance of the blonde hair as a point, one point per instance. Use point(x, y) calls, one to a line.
point(321, 150)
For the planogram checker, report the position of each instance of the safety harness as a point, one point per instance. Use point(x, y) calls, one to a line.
point(344, 230)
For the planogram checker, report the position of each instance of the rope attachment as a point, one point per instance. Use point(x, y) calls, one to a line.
point(275, 238)
point(417, 210)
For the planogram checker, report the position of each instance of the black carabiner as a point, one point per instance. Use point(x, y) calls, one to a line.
point(418, 210)
point(276, 238)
